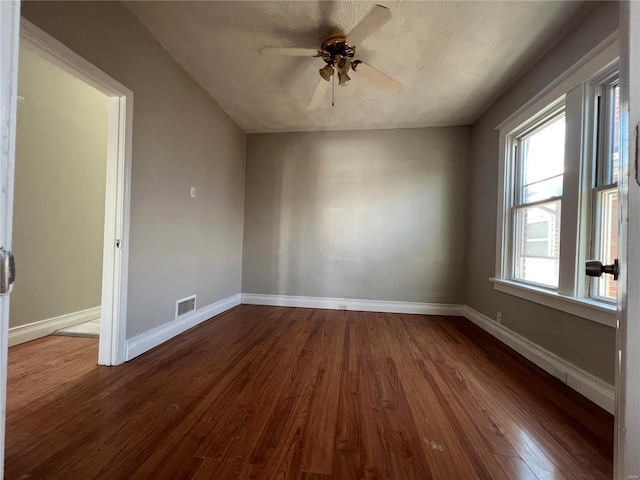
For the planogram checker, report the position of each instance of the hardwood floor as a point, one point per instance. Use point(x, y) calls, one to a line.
point(277, 393)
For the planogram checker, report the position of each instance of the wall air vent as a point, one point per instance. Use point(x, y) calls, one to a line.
point(185, 305)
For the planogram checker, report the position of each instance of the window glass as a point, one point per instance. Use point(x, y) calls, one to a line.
point(549, 188)
point(615, 141)
point(608, 221)
point(536, 222)
point(537, 240)
point(543, 157)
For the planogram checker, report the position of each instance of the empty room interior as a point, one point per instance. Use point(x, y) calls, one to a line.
point(338, 240)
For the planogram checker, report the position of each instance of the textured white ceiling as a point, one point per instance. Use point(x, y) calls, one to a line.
point(453, 58)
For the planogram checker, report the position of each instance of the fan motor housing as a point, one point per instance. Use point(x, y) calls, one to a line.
point(336, 45)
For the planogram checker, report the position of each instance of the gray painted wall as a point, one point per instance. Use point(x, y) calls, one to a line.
point(584, 343)
point(181, 138)
point(58, 214)
point(360, 214)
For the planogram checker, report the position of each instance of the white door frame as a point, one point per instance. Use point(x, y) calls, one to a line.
point(9, 39)
point(112, 345)
point(627, 430)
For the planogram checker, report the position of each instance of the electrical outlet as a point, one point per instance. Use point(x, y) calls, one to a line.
point(499, 317)
point(193, 192)
point(342, 306)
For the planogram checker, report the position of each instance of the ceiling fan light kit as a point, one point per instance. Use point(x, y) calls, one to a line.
point(337, 54)
point(326, 72)
point(338, 51)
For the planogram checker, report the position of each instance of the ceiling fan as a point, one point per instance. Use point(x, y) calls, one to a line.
point(338, 51)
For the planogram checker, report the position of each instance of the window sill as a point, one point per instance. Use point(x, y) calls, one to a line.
point(598, 312)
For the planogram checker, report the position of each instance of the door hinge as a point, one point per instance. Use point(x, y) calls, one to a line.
point(7, 271)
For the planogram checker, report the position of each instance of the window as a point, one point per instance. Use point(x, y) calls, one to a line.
point(558, 198)
point(605, 187)
point(539, 158)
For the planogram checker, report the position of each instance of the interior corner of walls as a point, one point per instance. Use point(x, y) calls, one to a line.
point(243, 206)
point(144, 342)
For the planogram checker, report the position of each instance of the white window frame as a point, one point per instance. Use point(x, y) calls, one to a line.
point(574, 89)
point(600, 177)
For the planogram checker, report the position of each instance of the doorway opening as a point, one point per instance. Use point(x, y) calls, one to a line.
point(74, 134)
point(59, 202)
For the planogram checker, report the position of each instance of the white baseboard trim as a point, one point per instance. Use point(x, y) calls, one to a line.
point(354, 304)
point(596, 390)
point(42, 328)
point(148, 340)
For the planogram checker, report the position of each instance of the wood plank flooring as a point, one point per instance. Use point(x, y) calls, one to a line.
point(279, 393)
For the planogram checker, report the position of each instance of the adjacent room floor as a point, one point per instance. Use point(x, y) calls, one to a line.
point(275, 392)
point(86, 329)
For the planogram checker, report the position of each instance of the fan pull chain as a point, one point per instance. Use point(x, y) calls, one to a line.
point(333, 88)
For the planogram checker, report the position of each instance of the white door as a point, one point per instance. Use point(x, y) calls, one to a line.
point(9, 38)
point(627, 448)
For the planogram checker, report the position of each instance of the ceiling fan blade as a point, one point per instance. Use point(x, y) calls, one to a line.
point(319, 94)
point(377, 17)
point(289, 51)
point(379, 79)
